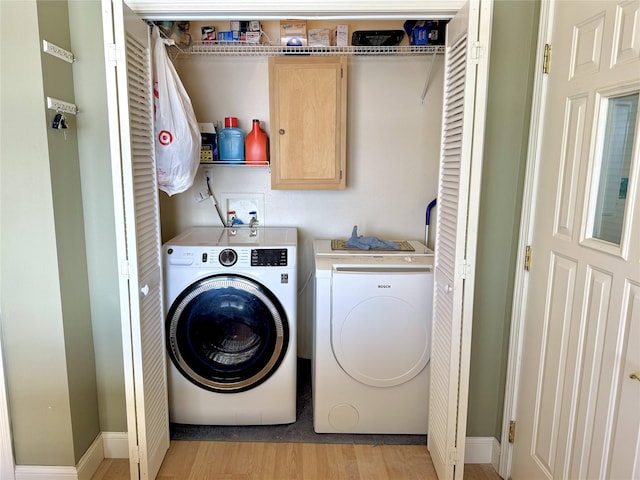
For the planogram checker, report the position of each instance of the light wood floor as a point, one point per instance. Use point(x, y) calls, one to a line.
point(283, 461)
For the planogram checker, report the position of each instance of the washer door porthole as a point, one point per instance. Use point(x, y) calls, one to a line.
point(227, 333)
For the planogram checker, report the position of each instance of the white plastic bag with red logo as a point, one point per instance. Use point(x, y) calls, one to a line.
point(177, 134)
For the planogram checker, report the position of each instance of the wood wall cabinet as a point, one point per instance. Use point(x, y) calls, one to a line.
point(308, 109)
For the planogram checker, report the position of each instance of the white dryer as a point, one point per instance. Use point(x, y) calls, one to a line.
point(231, 299)
point(372, 340)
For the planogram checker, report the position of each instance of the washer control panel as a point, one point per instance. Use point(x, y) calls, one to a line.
point(229, 257)
point(269, 257)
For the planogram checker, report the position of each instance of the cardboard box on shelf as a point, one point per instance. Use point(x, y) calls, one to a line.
point(208, 147)
point(208, 34)
point(319, 37)
point(293, 33)
point(420, 33)
point(340, 36)
point(245, 25)
point(253, 38)
point(226, 36)
point(243, 31)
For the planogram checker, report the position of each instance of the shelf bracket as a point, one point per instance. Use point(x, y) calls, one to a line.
point(427, 81)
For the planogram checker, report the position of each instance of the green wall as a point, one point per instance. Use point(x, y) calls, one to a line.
point(46, 317)
point(97, 199)
point(58, 82)
point(31, 307)
point(513, 42)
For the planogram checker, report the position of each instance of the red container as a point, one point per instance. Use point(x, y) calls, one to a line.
point(256, 145)
point(230, 122)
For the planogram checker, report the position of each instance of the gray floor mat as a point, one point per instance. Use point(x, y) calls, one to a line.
point(299, 432)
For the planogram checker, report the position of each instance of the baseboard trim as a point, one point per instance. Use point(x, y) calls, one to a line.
point(482, 450)
point(116, 444)
point(90, 461)
point(495, 455)
point(106, 445)
point(87, 466)
point(29, 472)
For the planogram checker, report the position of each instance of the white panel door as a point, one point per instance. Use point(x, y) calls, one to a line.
point(466, 69)
point(578, 407)
point(130, 97)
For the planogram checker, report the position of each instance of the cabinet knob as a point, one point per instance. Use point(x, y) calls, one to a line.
point(281, 131)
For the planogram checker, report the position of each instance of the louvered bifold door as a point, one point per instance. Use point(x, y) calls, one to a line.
point(147, 388)
point(150, 367)
point(447, 403)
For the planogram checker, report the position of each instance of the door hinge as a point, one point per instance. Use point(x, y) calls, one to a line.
point(135, 454)
point(341, 72)
point(464, 270)
point(124, 269)
point(453, 456)
point(527, 258)
point(512, 431)
point(476, 51)
point(114, 55)
point(546, 64)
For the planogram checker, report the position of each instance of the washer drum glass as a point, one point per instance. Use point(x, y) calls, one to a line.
point(227, 333)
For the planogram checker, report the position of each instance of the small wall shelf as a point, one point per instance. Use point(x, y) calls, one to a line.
point(234, 164)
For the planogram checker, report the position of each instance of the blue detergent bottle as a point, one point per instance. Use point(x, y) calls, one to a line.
point(231, 145)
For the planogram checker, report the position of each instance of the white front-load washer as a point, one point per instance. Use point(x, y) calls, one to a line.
point(231, 299)
point(372, 340)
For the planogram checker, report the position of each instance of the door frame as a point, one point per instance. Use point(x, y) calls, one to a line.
point(7, 464)
point(521, 281)
point(361, 9)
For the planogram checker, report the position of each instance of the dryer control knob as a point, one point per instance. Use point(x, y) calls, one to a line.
point(228, 257)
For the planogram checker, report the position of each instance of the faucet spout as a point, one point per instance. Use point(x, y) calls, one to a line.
point(254, 219)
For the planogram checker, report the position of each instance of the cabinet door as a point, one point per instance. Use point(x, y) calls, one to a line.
point(308, 99)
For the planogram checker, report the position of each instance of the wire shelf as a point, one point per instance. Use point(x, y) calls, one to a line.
point(234, 163)
point(255, 50)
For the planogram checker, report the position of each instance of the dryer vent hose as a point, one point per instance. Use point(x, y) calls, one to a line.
point(428, 220)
